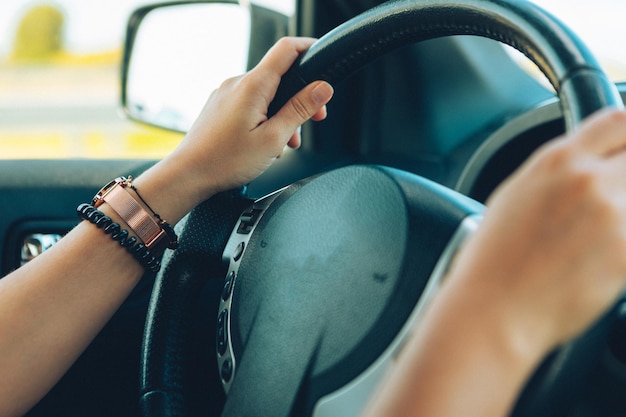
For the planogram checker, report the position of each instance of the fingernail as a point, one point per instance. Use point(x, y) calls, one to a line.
point(322, 93)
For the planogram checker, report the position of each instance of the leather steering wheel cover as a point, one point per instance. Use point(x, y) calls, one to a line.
point(557, 51)
point(177, 290)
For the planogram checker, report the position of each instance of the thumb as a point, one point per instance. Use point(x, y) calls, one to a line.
point(304, 105)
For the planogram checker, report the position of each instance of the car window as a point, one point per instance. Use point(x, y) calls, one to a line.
point(59, 81)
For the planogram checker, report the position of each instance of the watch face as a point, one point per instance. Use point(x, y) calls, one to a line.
point(98, 198)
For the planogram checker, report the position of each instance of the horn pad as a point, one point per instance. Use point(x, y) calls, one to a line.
point(328, 277)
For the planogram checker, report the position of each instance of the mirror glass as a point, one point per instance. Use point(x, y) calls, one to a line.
point(181, 54)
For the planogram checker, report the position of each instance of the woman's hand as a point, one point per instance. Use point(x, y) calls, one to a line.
point(550, 256)
point(233, 141)
point(240, 141)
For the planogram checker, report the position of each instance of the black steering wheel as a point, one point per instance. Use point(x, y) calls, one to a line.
point(323, 278)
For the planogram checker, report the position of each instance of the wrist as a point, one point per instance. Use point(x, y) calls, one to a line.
point(463, 344)
point(515, 333)
point(170, 192)
point(130, 221)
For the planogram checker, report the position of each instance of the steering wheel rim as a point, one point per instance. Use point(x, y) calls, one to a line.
point(571, 68)
point(578, 79)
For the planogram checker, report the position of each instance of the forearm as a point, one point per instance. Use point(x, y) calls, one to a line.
point(52, 307)
point(461, 361)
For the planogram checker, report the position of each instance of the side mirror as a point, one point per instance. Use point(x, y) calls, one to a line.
point(176, 54)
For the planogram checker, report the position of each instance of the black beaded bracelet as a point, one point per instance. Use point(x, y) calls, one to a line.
point(139, 251)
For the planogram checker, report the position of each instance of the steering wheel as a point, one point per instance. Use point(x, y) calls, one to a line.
point(323, 278)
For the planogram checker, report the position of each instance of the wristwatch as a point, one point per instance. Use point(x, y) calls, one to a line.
point(145, 226)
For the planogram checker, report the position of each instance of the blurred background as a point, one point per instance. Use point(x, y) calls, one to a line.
point(59, 74)
point(59, 81)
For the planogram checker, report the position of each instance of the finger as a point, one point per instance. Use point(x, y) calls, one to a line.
point(283, 54)
point(603, 133)
point(296, 140)
point(320, 115)
point(301, 107)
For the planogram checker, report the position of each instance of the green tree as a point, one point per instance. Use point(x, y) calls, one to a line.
point(40, 34)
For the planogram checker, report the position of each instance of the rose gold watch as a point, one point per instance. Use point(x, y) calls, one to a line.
point(145, 226)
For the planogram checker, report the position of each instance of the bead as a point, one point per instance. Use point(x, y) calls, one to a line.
point(130, 242)
point(139, 248)
point(113, 227)
point(82, 209)
point(119, 234)
point(93, 216)
point(104, 222)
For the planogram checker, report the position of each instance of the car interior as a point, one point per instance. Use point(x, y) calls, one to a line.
point(290, 296)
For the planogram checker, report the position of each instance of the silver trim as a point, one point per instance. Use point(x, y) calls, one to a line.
point(353, 397)
point(544, 112)
point(234, 241)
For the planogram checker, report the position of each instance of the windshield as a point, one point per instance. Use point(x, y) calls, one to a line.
point(600, 25)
